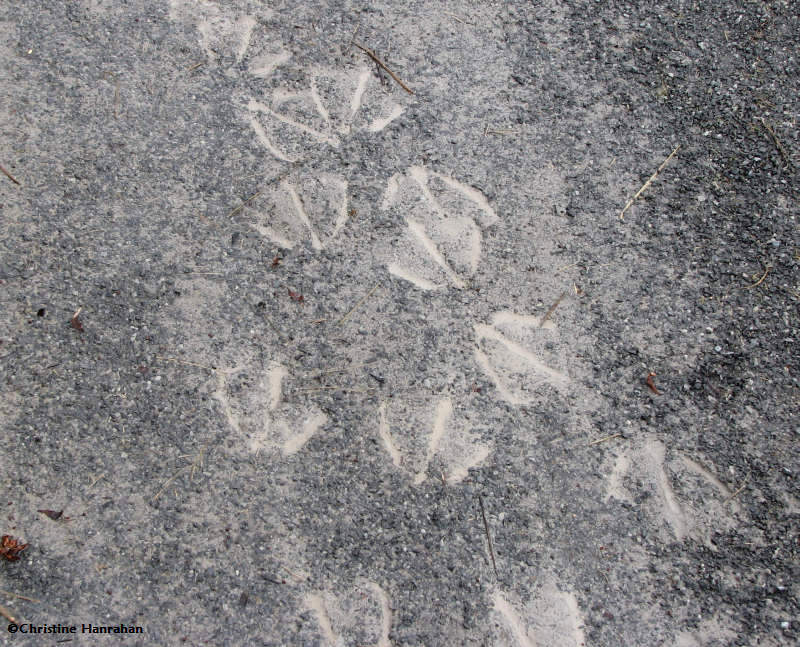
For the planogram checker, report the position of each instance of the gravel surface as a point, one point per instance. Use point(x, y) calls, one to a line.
point(422, 323)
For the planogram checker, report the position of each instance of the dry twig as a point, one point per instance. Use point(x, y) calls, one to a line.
point(374, 57)
point(353, 309)
point(604, 439)
point(551, 310)
point(244, 204)
point(761, 280)
point(738, 491)
point(775, 139)
point(316, 376)
point(488, 536)
point(9, 176)
point(6, 614)
point(180, 361)
point(196, 464)
point(17, 595)
point(648, 183)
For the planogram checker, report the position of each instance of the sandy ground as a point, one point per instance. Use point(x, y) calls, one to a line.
point(416, 323)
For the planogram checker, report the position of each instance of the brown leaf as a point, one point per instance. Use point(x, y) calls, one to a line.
point(55, 516)
point(649, 381)
point(296, 296)
point(276, 261)
point(10, 548)
point(75, 322)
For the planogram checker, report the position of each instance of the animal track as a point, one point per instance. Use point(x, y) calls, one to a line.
point(404, 428)
point(552, 618)
point(442, 243)
point(286, 218)
point(294, 124)
point(252, 407)
point(646, 463)
point(643, 474)
point(360, 616)
point(220, 34)
point(519, 355)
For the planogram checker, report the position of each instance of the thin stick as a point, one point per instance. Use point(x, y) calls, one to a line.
point(272, 325)
point(6, 614)
point(297, 577)
point(17, 595)
point(738, 491)
point(551, 310)
point(604, 439)
point(648, 183)
point(353, 309)
point(566, 267)
point(340, 370)
point(760, 281)
point(775, 139)
point(454, 17)
point(488, 536)
point(197, 463)
point(244, 204)
point(168, 481)
point(9, 176)
point(335, 388)
point(373, 56)
point(353, 37)
point(96, 479)
point(192, 68)
point(180, 361)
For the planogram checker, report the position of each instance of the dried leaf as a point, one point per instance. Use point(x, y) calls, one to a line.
point(276, 261)
point(75, 322)
point(296, 296)
point(10, 548)
point(55, 516)
point(649, 381)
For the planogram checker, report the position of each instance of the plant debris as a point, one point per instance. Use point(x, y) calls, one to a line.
point(643, 188)
point(375, 58)
point(276, 261)
point(552, 309)
point(296, 296)
point(75, 322)
point(488, 536)
point(10, 548)
point(9, 176)
point(52, 514)
point(650, 383)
